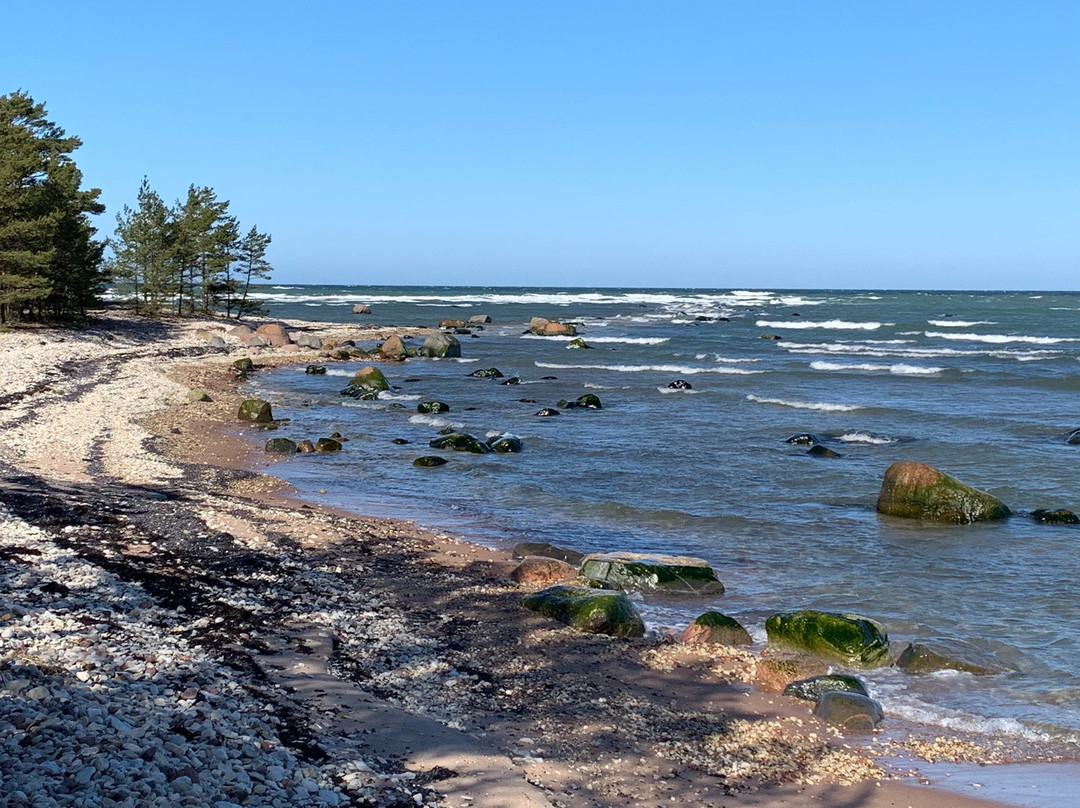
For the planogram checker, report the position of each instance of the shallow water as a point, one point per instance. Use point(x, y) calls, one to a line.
point(984, 386)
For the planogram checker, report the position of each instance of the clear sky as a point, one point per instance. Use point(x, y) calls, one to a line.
point(699, 144)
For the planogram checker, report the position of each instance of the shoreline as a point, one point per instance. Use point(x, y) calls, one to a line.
point(463, 664)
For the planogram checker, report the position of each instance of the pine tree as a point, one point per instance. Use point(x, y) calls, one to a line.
point(50, 264)
point(141, 267)
point(251, 256)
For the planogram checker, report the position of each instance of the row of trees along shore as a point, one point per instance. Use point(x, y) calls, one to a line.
point(186, 258)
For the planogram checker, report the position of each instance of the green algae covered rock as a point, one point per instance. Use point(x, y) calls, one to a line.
point(675, 575)
point(460, 442)
point(327, 445)
point(929, 657)
point(506, 444)
point(255, 411)
point(1059, 516)
point(315, 370)
point(920, 491)
point(578, 344)
point(197, 395)
point(852, 712)
point(280, 446)
point(844, 638)
point(244, 365)
point(429, 461)
point(441, 346)
point(597, 611)
point(369, 379)
point(811, 689)
point(716, 628)
point(589, 401)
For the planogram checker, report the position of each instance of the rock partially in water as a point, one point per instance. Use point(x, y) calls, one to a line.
point(393, 349)
point(1055, 517)
point(481, 319)
point(851, 712)
point(430, 461)
point(361, 308)
point(928, 657)
point(1073, 438)
point(596, 611)
point(920, 491)
point(511, 380)
point(578, 344)
point(822, 451)
point(588, 401)
point(543, 327)
point(680, 384)
point(716, 628)
point(315, 370)
point(255, 410)
point(525, 549)
point(305, 447)
point(845, 638)
point(280, 446)
point(804, 439)
point(506, 444)
point(547, 412)
point(327, 445)
point(460, 442)
point(441, 346)
point(368, 379)
point(244, 365)
point(486, 373)
point(674, 575)
point(812, 689)
point(432, 407)
point(451, 323)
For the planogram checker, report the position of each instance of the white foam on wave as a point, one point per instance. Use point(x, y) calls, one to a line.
point(681, 369)
point(960, 323)
point(1000, 339)
point(835, 325)
point(919, 712)
point(605, 340)
point(806, 405)
point(386, 395)
point(435, 421)
point(666, 390)
point(340, 372)
point(724, 359)
point(897, 369)
point(866, 437)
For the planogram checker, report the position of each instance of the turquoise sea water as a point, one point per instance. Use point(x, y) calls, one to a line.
point(983, 385)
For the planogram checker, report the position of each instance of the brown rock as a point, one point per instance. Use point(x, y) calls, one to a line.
point(292, 347)
point(451, 323)
point(361, 308)
point(239, 331)
point(393, 349)
point(274, 334)
point(540, 570)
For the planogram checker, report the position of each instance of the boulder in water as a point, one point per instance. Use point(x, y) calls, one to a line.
point(361, 308)
point(596, 611)
point(578, 344)
point(481, 319)
point(432, 407)
point(588, 401)
point(305, 447)
point(817, 450)
point(680, 384)
point(460, 442)
point(543, 327)
point(921, 657)
point(852, 712)
point(675, 575)
point(547, 412)
point(441, 346)
point(451, 323)
point(1055, 517)
point(845, 638)
point(541, 570)
point(369, 379)
point(393, 349)
point(1073, 438)
point(430, 461)
point(920, 491)
point(327, 445)
point(506, 444)
point(315, 370)
point(486, 373)
point(804, 439)
point(716, 628)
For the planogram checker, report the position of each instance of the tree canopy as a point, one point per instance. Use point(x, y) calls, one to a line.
point(50, 263)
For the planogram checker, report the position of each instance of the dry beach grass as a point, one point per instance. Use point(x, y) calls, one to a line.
point(177, 629)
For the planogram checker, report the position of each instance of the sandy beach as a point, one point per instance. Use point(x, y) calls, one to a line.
point(177, 627)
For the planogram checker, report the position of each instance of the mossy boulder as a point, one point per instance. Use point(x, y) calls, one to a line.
point(506, 444)
point(198, 396)
point(280, 446)
point(675, 575)
point(811, 689)
point(327, 445)
point(716, 628)
point(525, 549)
point(844, 638)
point(439, 346)
point(588, 401)
point(1059, 516)
point(315, 370)
point(486, 373)
point(256, 411)
point(920, 491)
point(244, 365)
point(597, 611)
point(429, 461)
point(921, 657)
point(852, 712)
point(369, 379)
point(460, 442)
point(432, 406)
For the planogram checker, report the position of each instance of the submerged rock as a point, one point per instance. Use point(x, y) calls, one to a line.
point(1073, 438)
point(811, 689)
point(852, 712)
point(255, 410)
point(845, 638)
point(511, 380)
point(542, 548)
point(920, 491)
point(716, 628)
point(460, 442)
point(921, 657)
point(441, 346)
point(675, 575)
point(1055, 517)
point(822, 451)
point(368, 379)
point(430, 461)
point(597, 611)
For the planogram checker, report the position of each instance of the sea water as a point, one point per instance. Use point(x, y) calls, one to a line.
point(985, 386)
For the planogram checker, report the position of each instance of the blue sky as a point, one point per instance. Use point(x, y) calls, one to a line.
point(712, 144)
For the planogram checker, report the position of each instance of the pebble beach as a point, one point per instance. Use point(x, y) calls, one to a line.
point(178, 628)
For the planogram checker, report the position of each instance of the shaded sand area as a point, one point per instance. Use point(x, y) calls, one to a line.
point(176, 629)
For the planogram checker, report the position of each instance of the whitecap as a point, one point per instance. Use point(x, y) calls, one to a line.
point(678, 369)
point(666, 390)
point(386, 395)
point(435, 421)
point(836, 325)
point(999, 339)
point(806, 405)
point(606, 340)
point(865, 437)
point(897, 369)
point(960, 323)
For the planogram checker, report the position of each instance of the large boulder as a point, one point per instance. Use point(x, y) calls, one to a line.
point(480, 319)
point(920, 491)
point(587, 401)
point(844, 638)
point(393, 349)
point(460, 442)
point(852, 712)
point(1059, 516)
point(310, 341)
point(441, 346)
point(920, 657)
point(812, 689)
point(675, 575)
point(274, 334)
point(361, 308)
point(543, 327)
point(715, 628)
point(597, 611)
point(540, 570)
point(255, 411)
point(369, 379)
